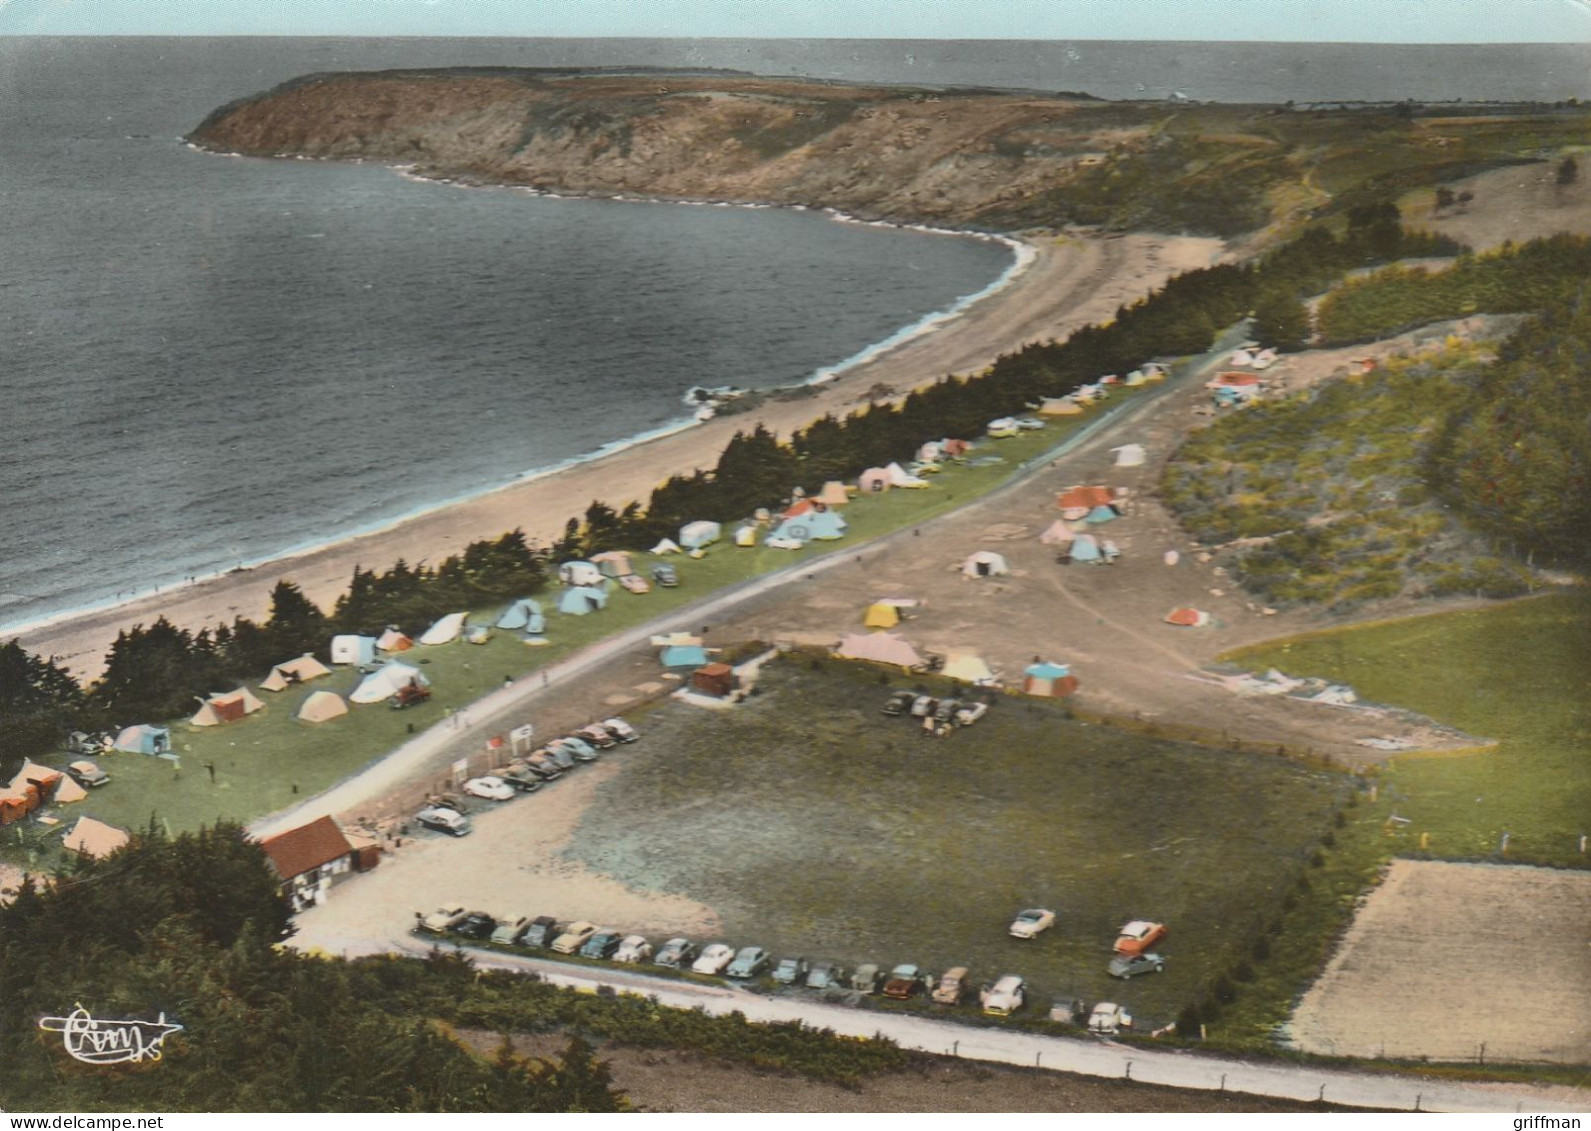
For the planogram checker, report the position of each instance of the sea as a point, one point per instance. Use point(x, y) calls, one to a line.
point(208, 362)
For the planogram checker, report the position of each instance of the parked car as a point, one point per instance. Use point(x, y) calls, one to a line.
point(824, 975)
point(1068, 1011)
point(522, 778)
point(444, 918)
point(749, 962)
point(563, 756)
point(1138, 936)
point(969, 713)
point(1033, 921)
point(789, 971)
point(574, 936)
point(864, 979)
point(409, 694)
point(542, 930)
point(582, 750)
point(899, 703)
point(492, 788)
point(905, 981)
point(1126, 965)
point(475, 925)
point(923, 706)
point(1108, 1019)
point(508, 931)
point(952, 987)
point(544, 766)
point(621, 730)
point(946, 711)
point(1029, 423)
point(675, 954)
point(87, 774)
point(601, 945)
point(665, 576)
point(444, 820)
point(596, 735)
point(713, 959)
point(1005, 997)
point(633, 948)
point(635, 583)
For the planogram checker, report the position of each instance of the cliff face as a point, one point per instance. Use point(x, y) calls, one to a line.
point(993, 159)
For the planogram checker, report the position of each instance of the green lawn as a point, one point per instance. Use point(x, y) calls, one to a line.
point(815, 825)
point(261, 759)
point(1517, 672)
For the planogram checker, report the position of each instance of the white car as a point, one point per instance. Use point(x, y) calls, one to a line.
point(634, 948)
point(621, 730)
point(492, 788)
point(444, 918)
point(1032, 922)
point(714, 959)
point(1108, 1018)
point(775, 542)
point(1005, 997)
point(971, 713)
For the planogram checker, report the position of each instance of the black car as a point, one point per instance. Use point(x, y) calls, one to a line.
point(542, 930)
point(476, 925)
point(946, 710)
point(665, 576)
point(544, 766)
point(601, 945)
point(522, 778)
point(899, 703)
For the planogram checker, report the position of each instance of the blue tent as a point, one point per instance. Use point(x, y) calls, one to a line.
point(144, 739)
point(1085, 549)
point(690, 656)
point(536, 625)
point(1047, 670)
point(1102, 513)
point(519, 613)
point(581, 600)
point(825, 526)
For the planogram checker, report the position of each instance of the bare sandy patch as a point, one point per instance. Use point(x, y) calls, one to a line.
point(1519, 203)
point(1459, 962)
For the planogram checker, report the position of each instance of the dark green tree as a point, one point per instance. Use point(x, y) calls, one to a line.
point(1281, 321)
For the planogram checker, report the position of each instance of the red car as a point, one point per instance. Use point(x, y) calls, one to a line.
point(1138, 936)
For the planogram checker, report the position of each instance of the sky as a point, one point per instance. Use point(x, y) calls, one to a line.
point(1352, 21)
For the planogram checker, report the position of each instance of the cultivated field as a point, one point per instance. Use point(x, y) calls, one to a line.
point(1459, 962)
point(814, 825)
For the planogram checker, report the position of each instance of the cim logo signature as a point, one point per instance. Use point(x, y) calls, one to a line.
point(109, 1042)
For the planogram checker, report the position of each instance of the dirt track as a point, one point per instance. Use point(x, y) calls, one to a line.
point(1459, 962)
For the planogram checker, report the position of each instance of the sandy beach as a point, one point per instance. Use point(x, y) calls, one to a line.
point(1072, 280)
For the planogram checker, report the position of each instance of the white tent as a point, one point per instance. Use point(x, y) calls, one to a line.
point(985, 563)
point(1240, 358)
point(352, 650)
point(321, 706)
point(695, 535)
point(446, 630)
point(899, 477)
point(394, 641)
point(577, 573)
point(1057, 534)
point(1130, 455)
point(385, 682)
point(306, 667)
point(666, 546)
point(968, 669)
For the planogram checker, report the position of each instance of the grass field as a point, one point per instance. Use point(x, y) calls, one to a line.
point(815, 825)
point(261, 759)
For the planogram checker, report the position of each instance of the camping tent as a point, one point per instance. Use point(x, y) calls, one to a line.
point(613, 563)
point(1102, 513)
point(985, 563)
point(1048, 679)
point(1057, 534)
point(1188, 618)
point(1002, 428)
point(446, 630)
point(953, 449)
point(900, 477)
point(967, 668)
point(580, 573)
point(306, 667)
point(386, 681)
point(666, 546)
point(1241, 358)
point(929, 452)
point(144, 739)
point(880, 648)
point(1085, 548)
point(1136, 378)
point(321, 706)
point(53, 785)
point(394, 641)
point(15, 804)
point(94, 839)
point(1084, 498)
point(226, 708)
point(1154, 371)
point(519, 613)
point(350, 650)
point(872, 481)
point(746, 536)
point(1130, 455)
point(696, 535)
point(823, 525)
point(801, 506)
point(581, 600)
point(833, 494)
point(684, 656)
point(668, 639)
point(1059, 406)
point(881, 616)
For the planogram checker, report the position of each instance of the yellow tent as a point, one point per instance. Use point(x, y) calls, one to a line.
point(321, 706)
point(881, 616)
point(1059, 406)
point(283, 676)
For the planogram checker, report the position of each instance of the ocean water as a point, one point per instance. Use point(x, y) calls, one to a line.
point(208, 361)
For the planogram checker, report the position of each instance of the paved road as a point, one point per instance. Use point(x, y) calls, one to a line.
point(509, 705)
point(1088, 1057)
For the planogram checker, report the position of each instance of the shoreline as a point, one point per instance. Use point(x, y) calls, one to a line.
point(1065, 282)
